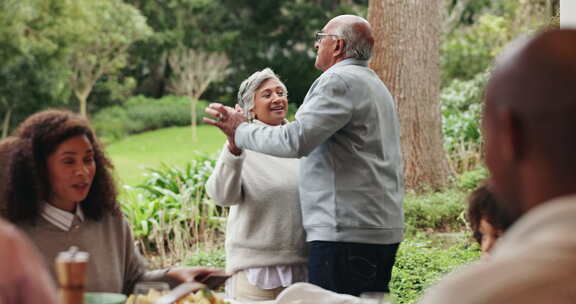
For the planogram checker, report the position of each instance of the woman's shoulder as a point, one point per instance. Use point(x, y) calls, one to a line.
point(116, 221)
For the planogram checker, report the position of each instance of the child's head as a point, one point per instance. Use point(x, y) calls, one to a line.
point(487, 218)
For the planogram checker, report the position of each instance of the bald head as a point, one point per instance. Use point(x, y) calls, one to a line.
point(536, 80)
point(530, 120)
point(536, 75)
point(357, 34)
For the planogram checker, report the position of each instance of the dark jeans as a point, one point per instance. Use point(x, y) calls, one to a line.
point(351, 268)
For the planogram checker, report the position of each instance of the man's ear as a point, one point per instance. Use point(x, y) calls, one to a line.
point(339, 48)
point(512, 136)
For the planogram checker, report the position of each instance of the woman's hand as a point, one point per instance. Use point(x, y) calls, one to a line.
point(233, 149)
point(191, 274)
point(227, 119)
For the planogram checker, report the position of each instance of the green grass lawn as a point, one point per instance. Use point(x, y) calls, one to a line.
point(170, 145)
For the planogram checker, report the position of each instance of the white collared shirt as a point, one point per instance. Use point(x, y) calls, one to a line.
point(61, 218)
point(276, 276)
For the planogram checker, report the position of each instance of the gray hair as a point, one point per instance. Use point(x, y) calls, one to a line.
point(356, 44)
point(249, 86)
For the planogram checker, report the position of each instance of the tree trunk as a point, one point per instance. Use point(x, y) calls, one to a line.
point(6, 123)
point(193, 118)
point(406, 57)
point(82, 96)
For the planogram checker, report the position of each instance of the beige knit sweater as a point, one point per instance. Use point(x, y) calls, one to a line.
point(265, 224)
point(114, 265)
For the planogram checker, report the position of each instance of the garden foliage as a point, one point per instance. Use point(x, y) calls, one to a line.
point(172, 223)
point(168, 213)
point(141, 114)
point(461, 113)
point(421, 262)
point(435, 211)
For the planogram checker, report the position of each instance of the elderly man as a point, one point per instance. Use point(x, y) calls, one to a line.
point(351, 183)
point(529, 127)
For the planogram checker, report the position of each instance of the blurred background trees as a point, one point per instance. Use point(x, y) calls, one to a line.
point(108, 28)
point(467, 50)
point(192, 73)
point(35, 38)
point(114, 56)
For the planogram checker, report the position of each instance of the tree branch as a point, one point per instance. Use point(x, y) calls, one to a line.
point(453, 16)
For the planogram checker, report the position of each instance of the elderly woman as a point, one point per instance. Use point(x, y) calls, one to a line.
point(265, 242)
point(59, 190)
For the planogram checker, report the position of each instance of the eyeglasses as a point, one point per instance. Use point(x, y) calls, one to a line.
point(319, 35)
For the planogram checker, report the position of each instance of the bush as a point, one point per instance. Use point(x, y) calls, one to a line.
point(211, 257)
point(461, 108)
point(139, 114)
point(470, 180)
point(470, 50)
point(421, 262)
point(461, 114)
point(111, 123)
point(435, 211)
point(168, 180)
point(168, 213)
point(208, 257)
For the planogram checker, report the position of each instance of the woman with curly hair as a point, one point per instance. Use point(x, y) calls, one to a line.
point(58, 188)
point(5, 148)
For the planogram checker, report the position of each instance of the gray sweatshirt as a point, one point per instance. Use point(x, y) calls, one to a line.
point(351, 183)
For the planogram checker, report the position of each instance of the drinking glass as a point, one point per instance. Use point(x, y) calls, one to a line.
point(145, 288)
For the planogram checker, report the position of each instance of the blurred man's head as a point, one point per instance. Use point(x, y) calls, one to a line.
point(344, 36)
point(530, 121)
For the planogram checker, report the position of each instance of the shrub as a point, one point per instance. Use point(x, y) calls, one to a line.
point(139, 114)
point(111, 123)
point(470, 180)
point(152, 114)
point(168, 213)
point(461, 113)
point(207, 256)
point(171, 179)
point(435, 211)
point(421, 262)
point(470, 50)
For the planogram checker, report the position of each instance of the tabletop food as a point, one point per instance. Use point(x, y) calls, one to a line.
point(203, 296)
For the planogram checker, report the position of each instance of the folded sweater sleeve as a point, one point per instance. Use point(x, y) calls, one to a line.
point(224, 186)
point(327, 108)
